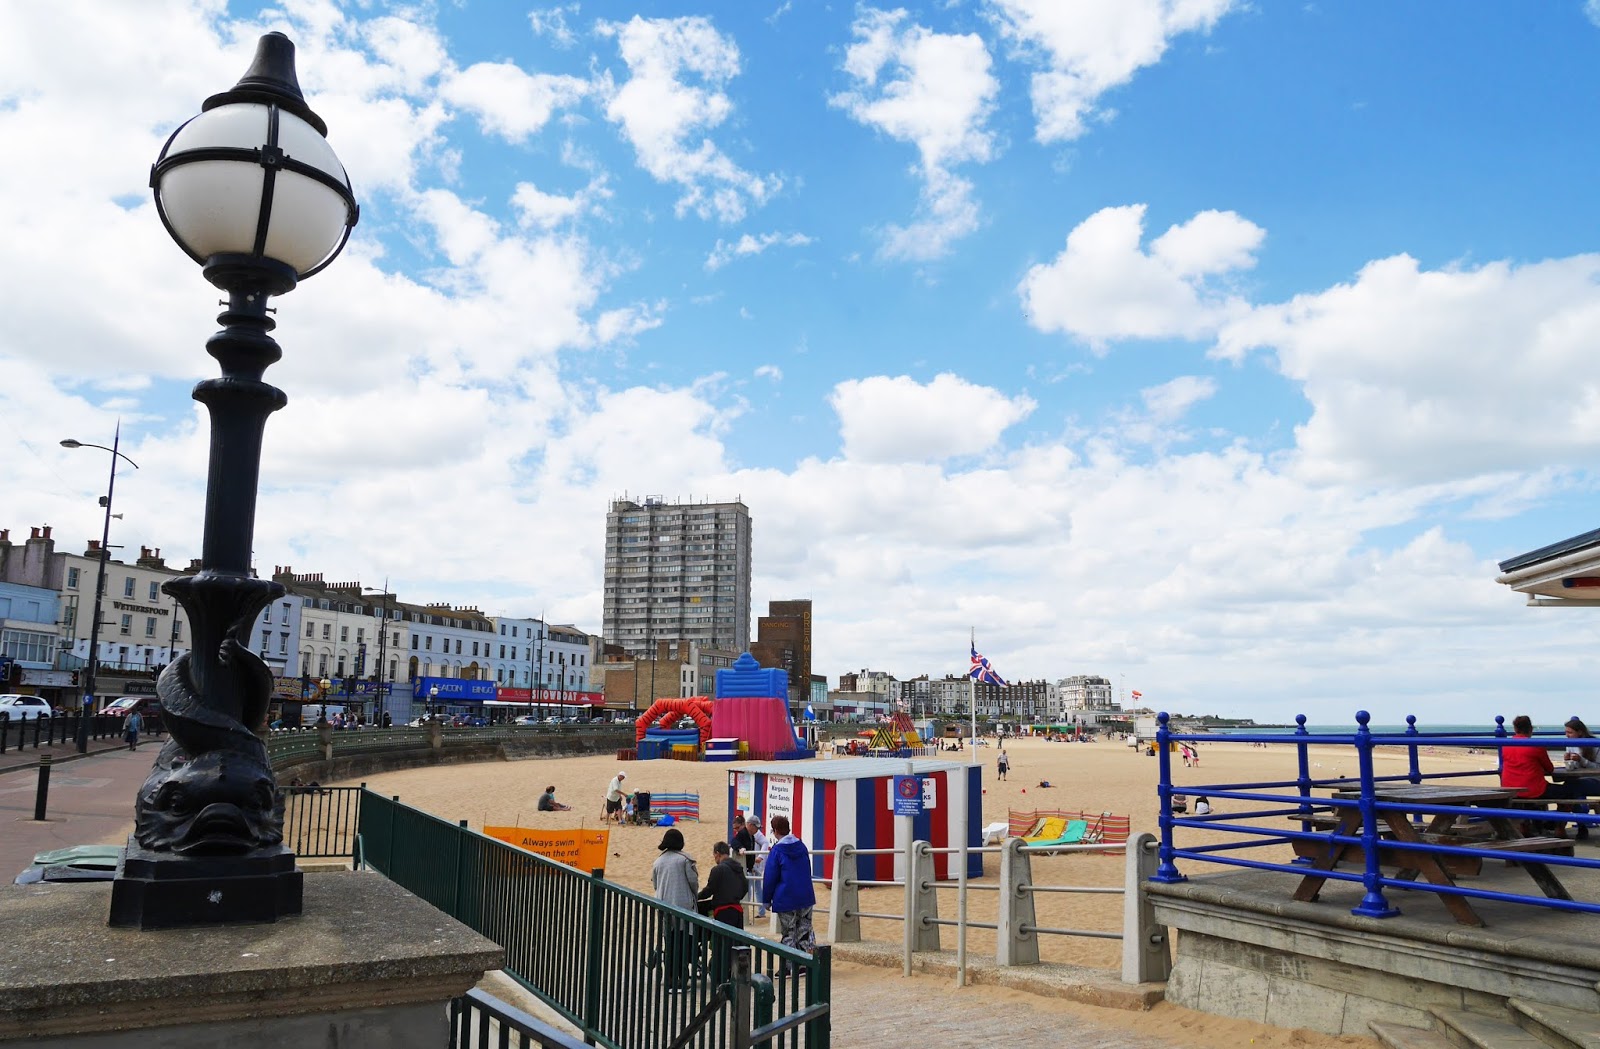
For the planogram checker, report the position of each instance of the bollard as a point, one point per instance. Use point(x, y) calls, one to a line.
point(1146, 947)
point(1015, 941)
point(844, 909)
point(42, 795)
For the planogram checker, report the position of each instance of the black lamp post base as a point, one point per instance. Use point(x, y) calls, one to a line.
point(156, 890)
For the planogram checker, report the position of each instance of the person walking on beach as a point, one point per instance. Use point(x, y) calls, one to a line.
point(614, 794)
point(1002, 765)
point(786, 889)
point(130, 729)
point(676, 879)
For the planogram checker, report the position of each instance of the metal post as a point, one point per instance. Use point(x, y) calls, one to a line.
point(1167, 871)
point(1303, 783)
point(1146, 957)
point(1373, 904)
point(741, 1019)
point(42, 794)
point(100, 589)
point(1413, 772)
point(594, 957)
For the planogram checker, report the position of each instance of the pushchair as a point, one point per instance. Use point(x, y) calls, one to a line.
point(641, 809)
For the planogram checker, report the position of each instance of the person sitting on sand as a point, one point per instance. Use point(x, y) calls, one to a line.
point(548, 802)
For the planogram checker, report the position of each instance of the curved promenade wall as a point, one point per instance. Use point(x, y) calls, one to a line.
point(326, 756)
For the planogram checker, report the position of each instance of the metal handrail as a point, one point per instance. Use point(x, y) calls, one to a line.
point(1370, 838)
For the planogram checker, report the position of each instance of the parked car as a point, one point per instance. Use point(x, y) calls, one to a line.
point(25, 708)
point(149, 708)
point(527, 719)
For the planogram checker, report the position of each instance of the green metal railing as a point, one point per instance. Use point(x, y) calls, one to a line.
point(628, 970)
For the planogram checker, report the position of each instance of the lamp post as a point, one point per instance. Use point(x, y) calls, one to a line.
point(252, 192)
point(326, 686)
point(433, 699)
point(82, 735)
point(383, 650)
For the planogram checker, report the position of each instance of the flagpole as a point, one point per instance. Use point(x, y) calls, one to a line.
point(972, 705)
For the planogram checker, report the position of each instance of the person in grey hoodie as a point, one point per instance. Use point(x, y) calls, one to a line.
point(677, 882)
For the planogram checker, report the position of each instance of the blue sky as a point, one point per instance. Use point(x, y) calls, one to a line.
point(1220, 348)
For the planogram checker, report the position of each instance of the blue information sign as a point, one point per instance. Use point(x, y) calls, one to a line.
point(907, 796)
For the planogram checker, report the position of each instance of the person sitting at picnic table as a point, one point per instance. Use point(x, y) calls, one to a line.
point(1525, 768)
point(1581, 756)
point(548, 802)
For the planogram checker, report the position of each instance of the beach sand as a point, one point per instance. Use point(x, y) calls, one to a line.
point(1094, 777)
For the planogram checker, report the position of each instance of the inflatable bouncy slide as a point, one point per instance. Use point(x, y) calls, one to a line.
point(749, 717)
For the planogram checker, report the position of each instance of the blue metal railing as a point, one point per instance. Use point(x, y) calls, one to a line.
point(1288, 799)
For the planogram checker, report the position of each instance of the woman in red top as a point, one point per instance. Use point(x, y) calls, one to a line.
point(1525, 768)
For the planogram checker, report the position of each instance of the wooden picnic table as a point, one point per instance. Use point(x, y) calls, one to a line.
point(1402, 829)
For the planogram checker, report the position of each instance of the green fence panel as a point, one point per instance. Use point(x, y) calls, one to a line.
point(629, 971)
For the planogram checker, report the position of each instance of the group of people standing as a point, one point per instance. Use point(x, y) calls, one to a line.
point(785, 889)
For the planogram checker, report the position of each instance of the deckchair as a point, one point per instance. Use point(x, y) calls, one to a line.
point(1071, 834)
point(1053, 828)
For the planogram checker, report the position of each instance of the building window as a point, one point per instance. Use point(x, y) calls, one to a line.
point(427, 643)
point(344, 633)
point(361, 635)
point(311, 630)
point(72, 579)
point(127, 624)
point(266, 640)
point(149, 626)
point(155, 590)
point(283, 643)
point(127, 587)
point(322, 664)
point(327, 631)
point(285, 619)
point(341, 666)
point(458, 646)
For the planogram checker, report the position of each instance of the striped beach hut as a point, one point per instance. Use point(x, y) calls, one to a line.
point(847, 800)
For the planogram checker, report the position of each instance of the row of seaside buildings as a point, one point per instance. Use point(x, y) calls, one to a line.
point(677, 609)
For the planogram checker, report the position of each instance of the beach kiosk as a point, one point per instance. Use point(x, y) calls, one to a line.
point(851, 801)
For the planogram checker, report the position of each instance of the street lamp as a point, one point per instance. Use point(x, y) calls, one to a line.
point(433, 700)
point(383, 651)
point(327, 686)
point(250, 190)
point(82, 735)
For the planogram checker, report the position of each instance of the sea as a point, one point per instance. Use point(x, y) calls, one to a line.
point(1476, 728)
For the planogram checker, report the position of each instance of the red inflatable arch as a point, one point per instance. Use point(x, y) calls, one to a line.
point(668, 711)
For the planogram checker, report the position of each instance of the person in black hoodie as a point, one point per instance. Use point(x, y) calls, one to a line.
point(720, 900)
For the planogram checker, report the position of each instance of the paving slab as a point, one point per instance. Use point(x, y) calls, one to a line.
point(90, 803)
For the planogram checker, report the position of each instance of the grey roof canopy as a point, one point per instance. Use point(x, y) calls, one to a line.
point(1564, 573)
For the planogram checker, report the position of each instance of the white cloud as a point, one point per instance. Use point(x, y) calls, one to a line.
point(726, 251)
point(1591, 11)
point(1104, 286)
point(934, 91)
point(625, 323)
point(899, 420)
point(1173, 398)
point(769, 371)
point(1091, 46)
point(1470, 370)
point(672, 97)
point(508, 101)
point(552, 22)
point(537, 209)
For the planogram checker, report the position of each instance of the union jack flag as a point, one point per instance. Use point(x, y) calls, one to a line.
point(982, 671)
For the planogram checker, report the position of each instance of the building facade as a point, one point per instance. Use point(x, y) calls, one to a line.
point(1087, 692)
point(783, 642)
point(677, 572)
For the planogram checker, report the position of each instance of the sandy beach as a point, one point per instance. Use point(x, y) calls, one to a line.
point(1103, 776)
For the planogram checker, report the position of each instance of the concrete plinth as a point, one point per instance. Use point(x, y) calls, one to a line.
point(366, 965)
